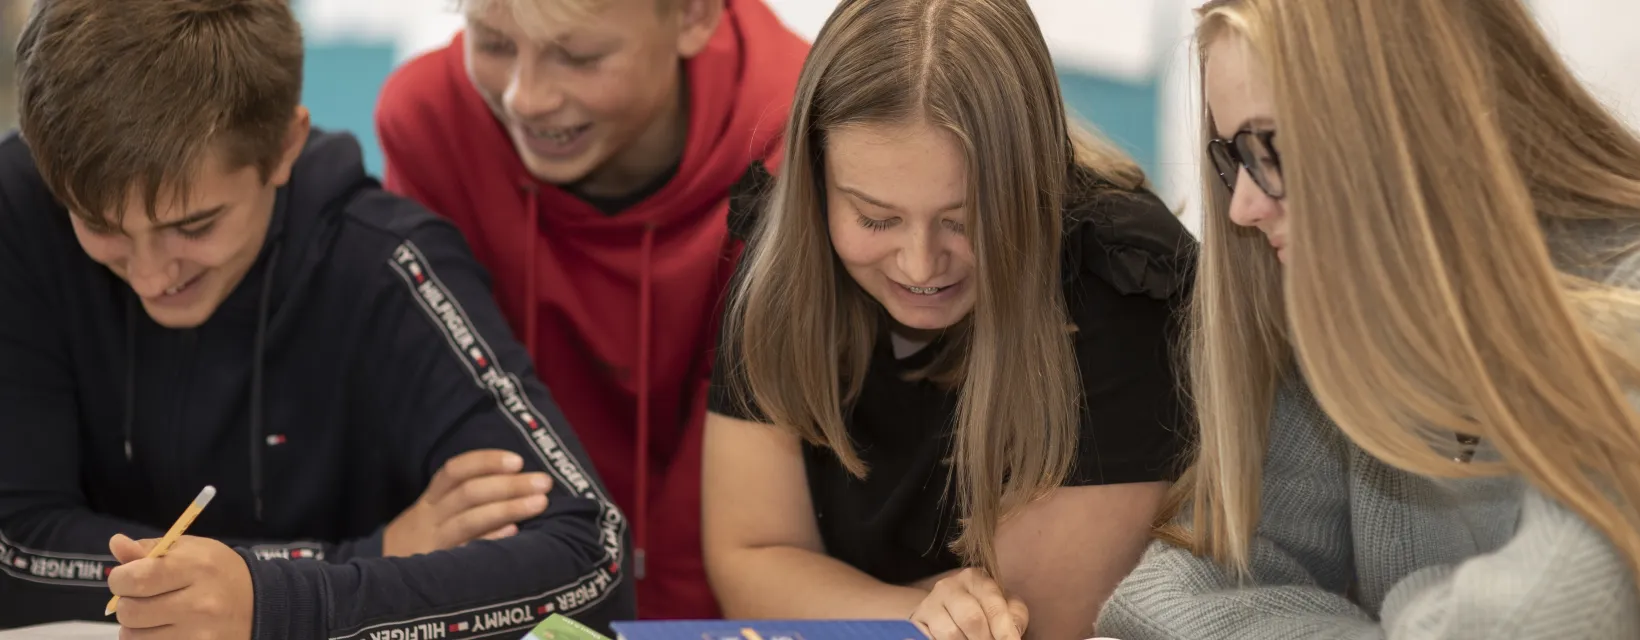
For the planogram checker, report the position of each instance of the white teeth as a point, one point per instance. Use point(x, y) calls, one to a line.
point(925, 291)
point(173, 290)
point(559, 136)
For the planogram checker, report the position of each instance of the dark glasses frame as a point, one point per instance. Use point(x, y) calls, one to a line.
point(1230, 157)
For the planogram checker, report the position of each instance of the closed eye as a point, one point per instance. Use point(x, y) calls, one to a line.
point(198, 231)
point(495, 47)
point(100, 230)
point(874, 224)
point(581, 62)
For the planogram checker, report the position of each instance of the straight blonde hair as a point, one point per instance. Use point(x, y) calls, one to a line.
point(804, 329)
point(1434, 151)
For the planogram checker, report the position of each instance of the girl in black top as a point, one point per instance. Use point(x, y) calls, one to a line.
point(958, 313)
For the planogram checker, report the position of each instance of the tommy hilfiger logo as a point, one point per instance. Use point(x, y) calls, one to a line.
point(486, 621)
point(299, 551)
point(513, 403)
point(504, 386)
point(54, 568)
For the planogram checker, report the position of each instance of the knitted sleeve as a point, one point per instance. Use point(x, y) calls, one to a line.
point(1556, 578)
point(1301, 556)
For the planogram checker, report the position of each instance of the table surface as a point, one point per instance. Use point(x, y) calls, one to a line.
point(64, 631)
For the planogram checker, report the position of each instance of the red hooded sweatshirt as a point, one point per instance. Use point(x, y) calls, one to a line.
point(620, 312)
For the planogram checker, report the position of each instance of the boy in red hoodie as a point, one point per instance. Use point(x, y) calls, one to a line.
point(586, 149)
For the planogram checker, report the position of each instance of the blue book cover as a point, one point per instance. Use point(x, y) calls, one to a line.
point(770, 630)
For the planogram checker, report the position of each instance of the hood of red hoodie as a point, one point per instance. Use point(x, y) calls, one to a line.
point(619, 311)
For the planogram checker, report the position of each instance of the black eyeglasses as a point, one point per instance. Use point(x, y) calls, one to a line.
point(1254, 151)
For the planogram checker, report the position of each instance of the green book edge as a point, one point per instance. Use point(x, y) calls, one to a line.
point(559, 627)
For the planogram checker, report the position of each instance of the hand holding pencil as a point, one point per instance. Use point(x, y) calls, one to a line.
point(181, 586)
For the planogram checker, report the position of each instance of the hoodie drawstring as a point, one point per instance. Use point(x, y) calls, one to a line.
point(259, 349)
point(646, 307)
point(640, 523)
point(258, 352)
point(531, 238)
point(130, 371)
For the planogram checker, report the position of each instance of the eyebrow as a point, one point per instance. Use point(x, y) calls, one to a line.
point(879, 203)
point(1250, 124)
point(484, 30)
point(477, 26)
point(195, 217)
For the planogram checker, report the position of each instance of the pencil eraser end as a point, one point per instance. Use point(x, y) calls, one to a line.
point(205, 495)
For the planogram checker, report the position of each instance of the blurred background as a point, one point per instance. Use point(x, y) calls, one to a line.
point(1125, 64)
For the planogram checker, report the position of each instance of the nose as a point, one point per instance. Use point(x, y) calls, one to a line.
point(1249, 205)
point(530, 93)
point(149, 270)
point(922, 259)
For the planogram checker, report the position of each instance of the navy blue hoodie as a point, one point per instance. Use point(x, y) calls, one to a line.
point(361, 351)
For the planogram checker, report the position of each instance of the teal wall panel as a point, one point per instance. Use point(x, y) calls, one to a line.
point(1125, 112)
point(342, 82)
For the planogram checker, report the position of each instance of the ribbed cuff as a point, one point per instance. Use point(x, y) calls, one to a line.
point(290, 599)
point(370, 547)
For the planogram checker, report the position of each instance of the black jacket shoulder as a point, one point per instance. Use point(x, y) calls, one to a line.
point(1126, 238)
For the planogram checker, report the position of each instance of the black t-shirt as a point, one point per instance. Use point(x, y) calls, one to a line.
point(616, 205)
point(1127, 263)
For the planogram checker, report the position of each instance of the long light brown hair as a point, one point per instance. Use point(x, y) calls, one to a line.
point(1436, 153)
point(804, 329)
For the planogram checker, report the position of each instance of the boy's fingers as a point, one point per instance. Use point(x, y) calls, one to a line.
point(471, 465)
point(126, 550)
point(484, 490)
point(502, 533)
point(478, 521)
point(146, 578)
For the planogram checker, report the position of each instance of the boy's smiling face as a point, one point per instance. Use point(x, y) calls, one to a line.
point(592, 100)
point(186, 260)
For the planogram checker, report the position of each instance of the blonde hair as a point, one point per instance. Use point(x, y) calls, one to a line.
point(538, 16)
point(1433, 150)
point(804, 329)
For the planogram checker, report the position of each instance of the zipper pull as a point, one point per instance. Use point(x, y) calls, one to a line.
point(127, 449)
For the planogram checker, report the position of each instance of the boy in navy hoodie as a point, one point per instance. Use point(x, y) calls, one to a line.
point(200, 290)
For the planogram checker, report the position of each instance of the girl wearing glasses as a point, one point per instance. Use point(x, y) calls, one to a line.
point(1414, 335)
point(945, 390)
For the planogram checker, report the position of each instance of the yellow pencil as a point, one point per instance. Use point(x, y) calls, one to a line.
point(171, 536)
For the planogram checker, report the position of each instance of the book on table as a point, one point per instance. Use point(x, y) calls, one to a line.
point(769, 630)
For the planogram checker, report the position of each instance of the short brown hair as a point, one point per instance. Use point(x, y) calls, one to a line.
point(134, 94)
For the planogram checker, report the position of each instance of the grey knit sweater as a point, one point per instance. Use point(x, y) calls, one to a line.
point(1349, 547)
